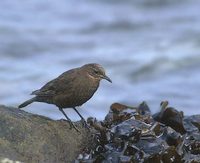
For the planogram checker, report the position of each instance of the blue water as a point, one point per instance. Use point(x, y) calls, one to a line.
point(149, 48)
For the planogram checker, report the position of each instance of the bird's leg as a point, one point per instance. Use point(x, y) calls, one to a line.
point(70, 122)
point(84, 121)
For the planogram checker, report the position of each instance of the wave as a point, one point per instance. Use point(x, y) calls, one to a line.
point(164, 65)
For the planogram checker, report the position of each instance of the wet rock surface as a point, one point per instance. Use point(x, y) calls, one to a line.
point(26, 137)
point(133, 134)
point(127, 134)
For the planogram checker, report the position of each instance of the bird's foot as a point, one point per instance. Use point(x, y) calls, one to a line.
point(84, 123)
point(72, 125)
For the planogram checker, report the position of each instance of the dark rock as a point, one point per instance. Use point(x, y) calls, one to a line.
point(135, 152)
point(191, 123)
point(152, 146)
point(171, 117)
point(154, 158)
point(127, 130)
point(171, 155)
point(172, 137)
point(143, 109)
point(119, 113)
point(125, 159)
point(136, 138)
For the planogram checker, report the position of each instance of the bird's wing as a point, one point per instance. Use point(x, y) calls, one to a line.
point(56, 86)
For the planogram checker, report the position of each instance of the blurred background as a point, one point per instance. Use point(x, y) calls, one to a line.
point(150, 49)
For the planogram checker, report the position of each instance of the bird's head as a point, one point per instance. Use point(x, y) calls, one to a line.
point(96, 71)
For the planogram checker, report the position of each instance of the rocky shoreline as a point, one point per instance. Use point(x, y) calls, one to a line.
point(127, 134)
point(134, 135)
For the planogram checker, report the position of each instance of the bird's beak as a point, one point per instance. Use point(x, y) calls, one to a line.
point(107, 78)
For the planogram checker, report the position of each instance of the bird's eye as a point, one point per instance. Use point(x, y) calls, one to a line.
point(96, 71)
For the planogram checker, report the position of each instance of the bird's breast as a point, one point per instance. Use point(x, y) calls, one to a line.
point(86, 91)
point(80, 92)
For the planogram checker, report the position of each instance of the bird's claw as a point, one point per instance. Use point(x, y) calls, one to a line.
point(84, 123)
point(72, 125)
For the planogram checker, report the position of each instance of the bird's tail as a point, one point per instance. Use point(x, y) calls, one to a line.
point(27, 102)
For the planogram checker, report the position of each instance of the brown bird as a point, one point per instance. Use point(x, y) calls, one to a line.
point(70, 89)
